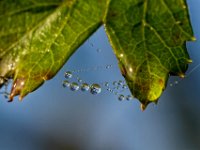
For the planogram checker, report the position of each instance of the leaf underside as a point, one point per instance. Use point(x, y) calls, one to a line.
point(149, 39)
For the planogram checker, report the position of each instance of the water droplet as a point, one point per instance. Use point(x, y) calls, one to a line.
point(120, 82)
point(129, 97)
point(115, 83)
point(106, 84)
point(85, 87)
point(95, 89)
point(121, 97)
point(91, 44)
point(109, 89)
point(124, 87)
point(66, 83)
point(176, 82)
point(116, 93)
point(74, 86)
point(6, 95)
point(108, 66)
point(98, 50)
point(79, 80)
point(68, 75)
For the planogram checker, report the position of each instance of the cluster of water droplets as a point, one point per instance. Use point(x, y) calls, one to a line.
point(80, 85)
point(118, 88)
point(74, 82)
point(176, 82)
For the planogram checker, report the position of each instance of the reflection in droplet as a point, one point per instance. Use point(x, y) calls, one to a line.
point(95, 89)
point(74, 86)
point(68, 75)
point(85, 87)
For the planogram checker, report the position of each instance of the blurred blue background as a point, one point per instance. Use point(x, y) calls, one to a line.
point(54, 118)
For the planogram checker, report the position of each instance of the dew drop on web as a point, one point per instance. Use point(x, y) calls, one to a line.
point(80, 81)
point(106, 84)
point(124, 87)
point(121, 97)
point(108, 66)
point(115, 83)
point(74, 86)
point(66, 83)
point(129, 97)
point(68, 74)
point(120, 82)
point(118, 88)
point(95, 89)
point(85, 87)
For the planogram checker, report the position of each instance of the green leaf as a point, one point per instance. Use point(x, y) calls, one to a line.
point(148, 37)
point(37, 37)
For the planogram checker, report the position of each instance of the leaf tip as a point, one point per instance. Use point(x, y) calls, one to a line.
point(16, 88)
point(189, 61)
point(181, 75)
point(193, 38)
point(21, 98)
point(143, 106)
point(10, 99)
